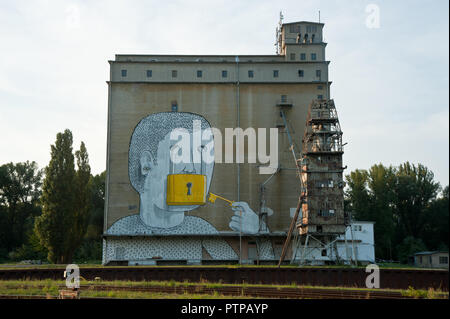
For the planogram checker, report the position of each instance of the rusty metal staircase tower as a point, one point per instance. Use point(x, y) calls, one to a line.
point(321, 199)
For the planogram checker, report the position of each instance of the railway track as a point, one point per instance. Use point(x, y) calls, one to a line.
point(262, 292)
point(237, 292)
point(240, 291)
point(331, 277)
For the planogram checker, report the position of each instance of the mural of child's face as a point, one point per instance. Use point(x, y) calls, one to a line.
point(155, 186)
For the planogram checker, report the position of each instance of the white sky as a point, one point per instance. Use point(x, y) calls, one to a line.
point(390, 84)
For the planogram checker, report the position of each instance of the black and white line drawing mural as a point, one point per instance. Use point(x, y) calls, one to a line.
point(150, 162)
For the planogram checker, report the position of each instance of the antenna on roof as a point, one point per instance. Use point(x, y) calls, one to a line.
point(278, 34)
point(319, 16)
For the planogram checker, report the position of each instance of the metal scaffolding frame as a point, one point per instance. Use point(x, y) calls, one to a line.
point(319, 168)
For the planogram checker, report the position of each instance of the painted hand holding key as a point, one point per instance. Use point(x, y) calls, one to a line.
point(244, 218)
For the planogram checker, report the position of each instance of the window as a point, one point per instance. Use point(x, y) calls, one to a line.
point(250, 73)
point(174, 107)
point(199, 73)
point(443, 260)
point(320, 87)
point(283, 98)
point(420, 259)
point(275, 73)
point(318, 73)
point(224, 73)
point(292, 56)
point(294, 28)
point(124, 72)
point(311, 28)
point(320, 184)
point(431, 262)
point(303, 56)
point(149, 73)
point(174, 73)
point(313, 56)
point(301, 73)
point(320, 97)
point(326, 212)
point(324, 252)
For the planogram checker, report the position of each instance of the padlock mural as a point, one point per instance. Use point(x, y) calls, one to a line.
point(186, 189)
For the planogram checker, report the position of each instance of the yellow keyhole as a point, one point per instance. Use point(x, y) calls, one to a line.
point(186, 189)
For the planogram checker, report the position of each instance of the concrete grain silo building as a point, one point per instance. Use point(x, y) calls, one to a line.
point(228, 91)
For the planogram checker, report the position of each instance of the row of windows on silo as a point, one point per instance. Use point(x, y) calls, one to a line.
point(303, 56)
point(251, 73)
point(301, 73)
point(174, 73)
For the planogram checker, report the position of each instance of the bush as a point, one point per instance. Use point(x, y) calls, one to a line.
point(89, 250)
point(408, 247)
point(31, 250)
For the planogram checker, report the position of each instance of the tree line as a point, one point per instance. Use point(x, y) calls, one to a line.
point(409, 208)
point(54, 214)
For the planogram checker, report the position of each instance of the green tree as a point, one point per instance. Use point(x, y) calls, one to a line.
point(408, 247)
point(370, 196)
point(82, 199)
point(64, 200)
point(402, 202)
point(98, 204)
point(435, 232)
point(91, 247)
point(4, 232)
point(20, 189)
point(381, 181)
point(415, 189)
point(357, 194)
point(31, 249)
point(58, 200)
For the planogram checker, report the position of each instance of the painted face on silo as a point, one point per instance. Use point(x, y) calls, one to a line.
point(178, 179)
